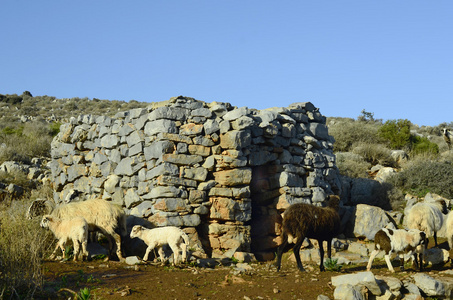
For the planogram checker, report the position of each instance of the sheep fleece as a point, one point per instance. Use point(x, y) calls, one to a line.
point(311, 221)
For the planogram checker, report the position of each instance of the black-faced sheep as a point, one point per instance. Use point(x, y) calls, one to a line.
point(158, 237)
point(101, 215)
point(427, 217)
point(402, 242)
point(39, 207)
point(75, 229)
point(302, 221)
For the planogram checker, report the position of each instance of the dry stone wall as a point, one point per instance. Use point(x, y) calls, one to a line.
point(222, 173)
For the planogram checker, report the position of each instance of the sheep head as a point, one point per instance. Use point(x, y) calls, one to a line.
point(421, 239)
point(45, 221)
point(135, 232)
point(334, 202)
point(444, 207)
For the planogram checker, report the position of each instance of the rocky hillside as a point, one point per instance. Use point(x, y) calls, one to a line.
point(28, 124)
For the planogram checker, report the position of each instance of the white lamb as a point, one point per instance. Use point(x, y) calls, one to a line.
point(158, 237)
point(427, 217)
point(402, 242)
point(75, 229)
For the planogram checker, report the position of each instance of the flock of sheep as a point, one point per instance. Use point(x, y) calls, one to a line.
point(424, 220)
point(74, 221)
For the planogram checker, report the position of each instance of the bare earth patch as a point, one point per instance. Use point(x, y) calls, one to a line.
point(114, 280)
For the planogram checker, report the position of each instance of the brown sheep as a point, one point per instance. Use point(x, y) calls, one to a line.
point(302, 221)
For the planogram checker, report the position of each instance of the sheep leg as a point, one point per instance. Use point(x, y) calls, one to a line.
point(84, 250)
point(184, 252)
point(148, 250)
point(175, 249)
point(329, 249)
point(401, 262)
point(52, 256)
point(321, 255)
point(389, 263)
point(370, 261)
point(435, 239)
point(280, 251)
point(418, 262)
point(296, 251)
point(117, 238)
point(76, 248)
point(161, 255)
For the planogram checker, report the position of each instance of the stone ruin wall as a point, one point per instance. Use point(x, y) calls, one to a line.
point(224, 174)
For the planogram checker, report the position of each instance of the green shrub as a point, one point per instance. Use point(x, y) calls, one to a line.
point(422, 145)
point(331, 264)
point(423, 175)
point(54, 128)
point(397, 133)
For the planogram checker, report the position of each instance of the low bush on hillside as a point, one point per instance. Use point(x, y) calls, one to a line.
point(422, 175)
point(348, 132)
point(421, 145)
point(374, 154)
point(22, 245)
point(397, 133)
point(22, 142)
point(352, 165)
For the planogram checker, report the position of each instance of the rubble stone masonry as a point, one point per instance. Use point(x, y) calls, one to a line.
point(223, 173)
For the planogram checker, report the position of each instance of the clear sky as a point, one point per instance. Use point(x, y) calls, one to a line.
point(391, 58)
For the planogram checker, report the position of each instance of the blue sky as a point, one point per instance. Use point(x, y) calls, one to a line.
point(391, 58)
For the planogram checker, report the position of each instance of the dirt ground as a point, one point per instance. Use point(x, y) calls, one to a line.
point(115, 280)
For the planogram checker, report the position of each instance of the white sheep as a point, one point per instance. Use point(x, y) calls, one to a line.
point(401, 242)
point(158, 237)
point(449, 229)
point(101, 215)
point(427, 217)
point(75, 229)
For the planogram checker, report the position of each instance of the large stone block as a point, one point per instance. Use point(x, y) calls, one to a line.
point(182, 159)
point(171, 204)
point(159, 126)
point(172, 113)
point(236, 139)
point(229, 209)
point(199, 150)
point(198, 174)
point(110, 141)
point(234, 177)
point(158, 148)
point(191, 129)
